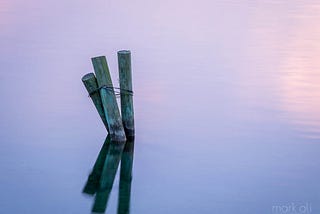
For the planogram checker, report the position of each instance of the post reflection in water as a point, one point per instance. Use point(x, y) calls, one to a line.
point(126, 177)
point(100, 180)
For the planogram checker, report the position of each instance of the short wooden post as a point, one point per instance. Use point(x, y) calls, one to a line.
point(125, 77)
point(107, 177)
point(126, 177)
point(108, 98)
point(93, 181)
point(90, 82)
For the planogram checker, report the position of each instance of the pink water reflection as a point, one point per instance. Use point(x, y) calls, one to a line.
point(300, 82)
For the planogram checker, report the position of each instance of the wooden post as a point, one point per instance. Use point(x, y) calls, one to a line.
point(93, 182)
point(108, 98)
point(90, 82)
point(107, 177)
point(126, 177)
point(125, 77)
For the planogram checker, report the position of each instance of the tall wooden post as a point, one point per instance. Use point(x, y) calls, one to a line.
point(126, 177)
point(108, 98)
point(125, 77)
point(90, 82)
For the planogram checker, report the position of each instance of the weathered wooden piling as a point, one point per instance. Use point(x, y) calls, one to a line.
point(126, 177)
point(125, 77)
point(127, 113)
point(108, 175)
point(121, 132)
point(90, 82)
point(93, 182)
point(108, 98)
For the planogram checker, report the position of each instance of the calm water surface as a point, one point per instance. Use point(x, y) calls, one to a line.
point(227, 103)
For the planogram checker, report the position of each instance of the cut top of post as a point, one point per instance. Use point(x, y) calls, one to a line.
point(89, 81)
point(124, 52)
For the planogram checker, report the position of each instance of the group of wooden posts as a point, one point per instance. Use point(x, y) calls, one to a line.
point(119, 143)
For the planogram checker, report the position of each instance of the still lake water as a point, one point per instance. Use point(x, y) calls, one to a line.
point(227, 104)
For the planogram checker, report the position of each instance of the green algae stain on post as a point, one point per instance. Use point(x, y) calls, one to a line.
point(108, 98)
point(90, 82)
point(125, 77)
